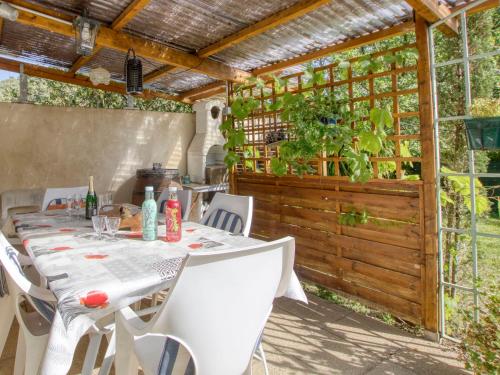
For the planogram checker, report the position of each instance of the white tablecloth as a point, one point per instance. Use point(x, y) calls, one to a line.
point(93, 278)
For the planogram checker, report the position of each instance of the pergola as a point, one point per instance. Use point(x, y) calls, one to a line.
point(191, 49)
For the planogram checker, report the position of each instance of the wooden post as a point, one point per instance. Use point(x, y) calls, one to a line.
point(430, 292)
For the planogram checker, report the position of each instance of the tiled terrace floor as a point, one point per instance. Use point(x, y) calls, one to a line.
point(323, 338)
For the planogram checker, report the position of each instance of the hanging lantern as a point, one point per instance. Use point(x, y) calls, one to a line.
point(85, 34)
point(133, 73)
point(99, 76)
point(8, 11)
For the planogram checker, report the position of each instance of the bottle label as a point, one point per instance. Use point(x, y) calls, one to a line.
point(149, 221)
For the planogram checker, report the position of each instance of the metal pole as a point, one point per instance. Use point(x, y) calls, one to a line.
point(468, 105)
point(435, 113)
point(23, 85)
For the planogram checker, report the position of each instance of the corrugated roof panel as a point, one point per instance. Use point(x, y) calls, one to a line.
point(340, 20)
point(181, 81)
point(102, 10)
point(37, 45)
point(193, 24)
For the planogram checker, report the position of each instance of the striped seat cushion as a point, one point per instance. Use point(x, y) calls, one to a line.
point(44, 308)
point(225, 220)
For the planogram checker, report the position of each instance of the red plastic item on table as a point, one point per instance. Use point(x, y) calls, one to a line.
point(173, 220)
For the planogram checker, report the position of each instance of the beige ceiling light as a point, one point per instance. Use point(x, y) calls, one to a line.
point(99, 76)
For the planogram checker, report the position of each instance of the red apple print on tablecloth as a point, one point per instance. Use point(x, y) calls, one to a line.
point(191, 230)
point(26, 243)
point(95, 299)
point(95, 256)
point(61, 248)
point(195, 246)
point(44, 226)
point(134, 235)
point(67, 230)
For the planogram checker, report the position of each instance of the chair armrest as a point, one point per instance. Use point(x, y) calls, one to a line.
point(42, 293)
point(24, 260)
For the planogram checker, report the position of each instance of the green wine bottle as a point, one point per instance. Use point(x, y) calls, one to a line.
point(91, 200)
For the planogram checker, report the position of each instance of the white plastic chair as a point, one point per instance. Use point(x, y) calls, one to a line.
point(185, 199)
point(52, 194)
point(212, 318)
point(34, 326)
point(236, 204)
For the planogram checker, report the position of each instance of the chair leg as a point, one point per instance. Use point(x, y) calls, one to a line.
point(263, 358)
point(109, 357)
point(35, 349)
point(7, 314)
point(91, 355)
point(20, 354)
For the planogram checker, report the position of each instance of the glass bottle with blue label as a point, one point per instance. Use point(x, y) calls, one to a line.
point(149, 216)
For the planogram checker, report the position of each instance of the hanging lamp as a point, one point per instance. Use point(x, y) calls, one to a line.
point(133, 73)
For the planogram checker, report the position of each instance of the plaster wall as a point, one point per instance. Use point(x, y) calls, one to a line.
point(42, 146)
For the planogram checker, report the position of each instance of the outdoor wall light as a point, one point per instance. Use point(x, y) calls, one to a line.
point(99, 76)
point(133, 73)
point(85, 33)
point(8, 11)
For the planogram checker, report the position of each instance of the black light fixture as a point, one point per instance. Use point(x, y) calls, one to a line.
point(133, 73)
point(85, 34)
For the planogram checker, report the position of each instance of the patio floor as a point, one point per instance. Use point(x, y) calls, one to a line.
point(324, 338)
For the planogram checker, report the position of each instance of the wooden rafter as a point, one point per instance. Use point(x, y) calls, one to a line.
point(155, 74)
point(279, 18)
point(480, 8)
point(432, 11)
point(210, 88)
point(121, 41)
point(1, 28)
point(80, 80)
point(208, 94)
point(349, 44)
point(119, 23)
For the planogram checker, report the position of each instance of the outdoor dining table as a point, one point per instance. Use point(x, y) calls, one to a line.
point(93, 278)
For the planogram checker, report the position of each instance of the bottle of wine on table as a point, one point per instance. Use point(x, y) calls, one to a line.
point(91, 200)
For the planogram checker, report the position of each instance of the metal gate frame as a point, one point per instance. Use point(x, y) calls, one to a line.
point(471, 174)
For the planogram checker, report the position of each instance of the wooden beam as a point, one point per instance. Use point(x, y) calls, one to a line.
point(80, 80)
point(220, 90)
point(203, 89)
point(130, 11)
point(336, 48)
point(1, 28)
point(133, 8)
point(279, 18)
point(432, 12)
point(121, 41)
point(155, 74)
point(430, 273)
point(480, 8)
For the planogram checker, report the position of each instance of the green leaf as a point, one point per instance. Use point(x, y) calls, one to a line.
point(226, 125)
point(370, 142)
point(278, 167)
point(231, 159)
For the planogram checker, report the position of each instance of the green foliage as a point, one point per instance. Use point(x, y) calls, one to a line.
point(486, 107)
point(481, 344)
point(47, 92)
point(353, 217)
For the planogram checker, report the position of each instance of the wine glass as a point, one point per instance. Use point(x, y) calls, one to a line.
point(69, 205)
point(99, 223)
point(112, 225)
point(77, 205)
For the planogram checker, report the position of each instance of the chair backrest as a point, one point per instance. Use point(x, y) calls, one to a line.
point(18, 283)
point(220, 303)
point(55, 194)
point(20, 198)
point(185, 199)
point(239, 205)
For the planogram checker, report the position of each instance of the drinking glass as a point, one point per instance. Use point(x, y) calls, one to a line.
point(112, 225)
point(99, 223)
point(77, 205)
point(69, 205)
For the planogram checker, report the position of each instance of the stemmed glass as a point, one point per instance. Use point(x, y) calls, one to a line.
point(77, 205)
point(112, 225)
point(69, 205)
point(99, 223)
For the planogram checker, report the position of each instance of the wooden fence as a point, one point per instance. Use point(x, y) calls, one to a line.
point(390, 261)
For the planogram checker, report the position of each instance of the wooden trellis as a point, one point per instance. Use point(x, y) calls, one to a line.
point(389, 261)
